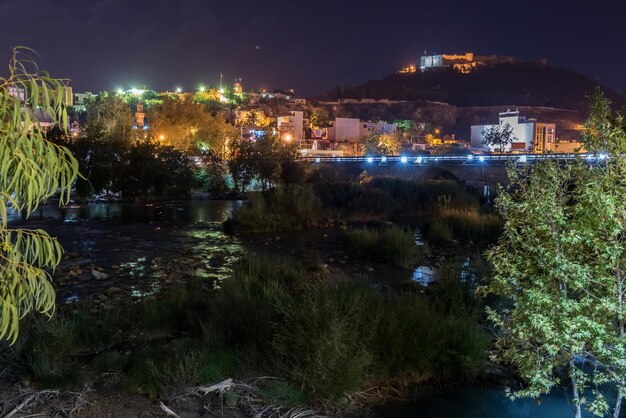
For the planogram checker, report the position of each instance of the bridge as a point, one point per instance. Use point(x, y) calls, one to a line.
point(459, 159)
point(484, 172)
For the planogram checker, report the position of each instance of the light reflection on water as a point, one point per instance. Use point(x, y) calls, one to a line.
point(187, 211)
point(467, 269)
point(424, 275)
point(152, 246)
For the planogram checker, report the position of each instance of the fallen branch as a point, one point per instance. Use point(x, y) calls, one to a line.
point(216, 388)
point(168, 411)
point(29, 399)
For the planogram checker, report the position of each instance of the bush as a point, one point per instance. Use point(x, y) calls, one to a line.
point(180, 364)
point(46, 349)
point(321, 342)
point(385, 198)
point(394, 245)
point(281, 393)
point(281, 208)
point(465, 226)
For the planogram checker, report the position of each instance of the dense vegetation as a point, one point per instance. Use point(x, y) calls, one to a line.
point(324, 335)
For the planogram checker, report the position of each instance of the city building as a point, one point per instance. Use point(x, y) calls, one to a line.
point(81, 99)
point(463, 63)
point(292, 124)
point(140, 117)
point(528, 134)
point(347, 129)
point(409, 69)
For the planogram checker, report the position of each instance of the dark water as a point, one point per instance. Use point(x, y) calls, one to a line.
point(185, 212)
point(475, 403)
point(144, 239)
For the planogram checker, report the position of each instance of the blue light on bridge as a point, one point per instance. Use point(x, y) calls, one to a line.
point(403, 159)
point(370, 160)
point(522, 159)
point(418, 160)
point(603, 156)
point(318, 160)
point(470, 157)
point(481, 158)
point(383, 159)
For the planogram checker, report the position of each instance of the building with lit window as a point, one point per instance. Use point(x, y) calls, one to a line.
point(529, 135)
point(292, 124)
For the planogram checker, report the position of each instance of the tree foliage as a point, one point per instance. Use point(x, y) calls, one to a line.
point(384, 144)
point(266, 160)
point(498, 136)
point(101, 145)
point(190, 127)
point(559, 269)
point(32, 169)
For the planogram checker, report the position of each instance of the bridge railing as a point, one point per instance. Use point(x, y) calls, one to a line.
point(462, 159)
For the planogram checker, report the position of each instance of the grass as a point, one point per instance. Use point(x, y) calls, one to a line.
point(393, 198)
point(303, 206)
point(464, 226)
point(178, 365)
point(281, 208)
point(393, 245)
point(322, 336)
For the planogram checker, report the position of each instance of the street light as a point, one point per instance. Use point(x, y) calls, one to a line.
point(179, 90)
point(288, 138)
point(161, 137)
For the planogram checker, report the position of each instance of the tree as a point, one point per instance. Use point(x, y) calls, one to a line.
point(498, 136)
point(102, 144)
point(33, 169)
point(383, 144)
point(559, 269)
point(241, 163)
point(152, 169)
point(189, 127)
point(319, 118)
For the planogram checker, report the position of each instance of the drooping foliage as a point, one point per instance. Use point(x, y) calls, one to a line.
point(31, 169)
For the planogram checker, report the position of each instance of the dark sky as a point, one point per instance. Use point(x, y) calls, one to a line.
point(307, 45)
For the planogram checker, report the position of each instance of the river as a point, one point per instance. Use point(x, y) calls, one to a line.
point(135, 244)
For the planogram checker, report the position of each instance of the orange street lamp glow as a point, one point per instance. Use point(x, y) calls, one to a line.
point(288, 138)
point(161, 137)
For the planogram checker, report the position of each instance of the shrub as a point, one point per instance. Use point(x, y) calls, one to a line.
point(46, 349)
point(439, 233)
point(465, 226)
point(415, 342)
point(281, 208)
point(281, 393)
point(393, 245)
point(394, 198)
point(180, 364)
point(321, 341)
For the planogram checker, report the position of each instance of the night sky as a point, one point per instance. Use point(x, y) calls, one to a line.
point(308, 45)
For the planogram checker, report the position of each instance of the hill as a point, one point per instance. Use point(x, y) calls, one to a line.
point(520, 84)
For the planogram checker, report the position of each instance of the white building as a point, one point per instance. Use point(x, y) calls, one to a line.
point(528, 134)
point(294, 123)
point(81, 99)
point(347, 129)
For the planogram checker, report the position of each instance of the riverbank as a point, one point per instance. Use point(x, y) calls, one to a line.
point(113, 263)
